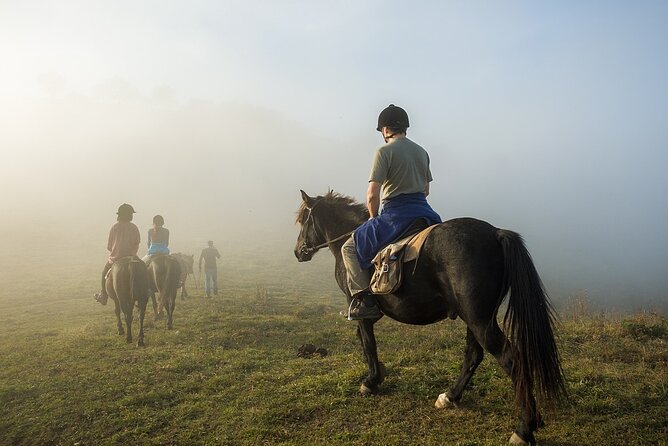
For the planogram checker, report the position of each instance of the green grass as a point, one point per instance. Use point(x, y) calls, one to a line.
point(229, 373)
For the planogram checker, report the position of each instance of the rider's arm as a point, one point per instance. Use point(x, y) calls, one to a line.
point(426, 190)
point(111, 239)
point(201, 256)
point(373, 198)
point(135, 239)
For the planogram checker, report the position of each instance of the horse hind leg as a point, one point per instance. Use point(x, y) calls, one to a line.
point(171, 303)
point(496, 343)
point(472, 358)
point(157, 308)
point(142, 312)
point(119, 324)
point(128, 323)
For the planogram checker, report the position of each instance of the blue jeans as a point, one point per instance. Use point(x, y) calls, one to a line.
point(211, 275)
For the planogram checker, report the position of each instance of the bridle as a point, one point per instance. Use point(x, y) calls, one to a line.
point(306, 250)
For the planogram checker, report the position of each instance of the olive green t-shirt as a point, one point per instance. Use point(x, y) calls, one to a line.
point(401, 167)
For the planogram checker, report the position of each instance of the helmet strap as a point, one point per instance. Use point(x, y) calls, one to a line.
point(387, 138)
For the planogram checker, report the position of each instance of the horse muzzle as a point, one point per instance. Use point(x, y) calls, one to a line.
point(304, 253)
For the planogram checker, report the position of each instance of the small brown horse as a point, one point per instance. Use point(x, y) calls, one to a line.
point(186, 261)
point(164, 273)
point(127, 285)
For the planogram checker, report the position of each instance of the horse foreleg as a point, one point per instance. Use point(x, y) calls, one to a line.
point(472, 357)
point(376, 369)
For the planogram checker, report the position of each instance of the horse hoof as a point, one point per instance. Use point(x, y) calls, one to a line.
point(128, 340)
point(516, 439)
point(443, 401)
point(365, 390)
point(140, 343)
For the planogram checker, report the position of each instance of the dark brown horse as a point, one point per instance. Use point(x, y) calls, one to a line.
point(127, 285)
point(186, 261)
point(466, 269)
point(164, 274)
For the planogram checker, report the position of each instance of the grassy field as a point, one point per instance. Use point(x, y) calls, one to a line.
point(229, 372)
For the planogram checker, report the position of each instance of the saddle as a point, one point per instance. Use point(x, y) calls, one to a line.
point(126, 259)
point(388, 263)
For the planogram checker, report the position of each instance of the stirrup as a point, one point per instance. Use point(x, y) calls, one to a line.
point(362, 310)
point(101, 298)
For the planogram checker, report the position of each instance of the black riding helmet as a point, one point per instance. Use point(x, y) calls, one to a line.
point(125, 209)
point(394, 117)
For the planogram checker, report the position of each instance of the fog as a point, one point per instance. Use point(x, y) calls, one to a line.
point(550, 122)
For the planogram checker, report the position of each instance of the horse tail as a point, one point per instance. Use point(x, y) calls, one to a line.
point(529, 322)
point(137, 281)
point(141, 280)
point(133, 279)
point(172, 276)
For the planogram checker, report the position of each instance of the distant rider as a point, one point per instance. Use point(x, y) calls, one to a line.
point(123, 241)
point(399, 179)
point(209, 255)
point(158, 239)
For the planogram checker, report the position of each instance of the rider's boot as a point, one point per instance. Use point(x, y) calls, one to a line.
point(363, 306)
point(101, 297)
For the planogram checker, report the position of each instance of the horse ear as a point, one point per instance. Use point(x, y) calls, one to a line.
point(308, 200)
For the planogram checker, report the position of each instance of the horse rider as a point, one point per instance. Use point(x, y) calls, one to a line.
point(209, 255)
point(399, 180)
point(123, 241)
point(158, 239)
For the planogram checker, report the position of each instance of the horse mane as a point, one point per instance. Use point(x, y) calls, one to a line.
point(337, 204)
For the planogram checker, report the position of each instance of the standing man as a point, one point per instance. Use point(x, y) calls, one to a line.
point(210, 255)
point(399, 180)
point(123, 241)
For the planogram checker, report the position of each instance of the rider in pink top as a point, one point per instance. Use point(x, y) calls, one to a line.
point(123, 241)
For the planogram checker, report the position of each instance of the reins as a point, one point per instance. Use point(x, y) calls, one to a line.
point(309, 250)
point(322, 245)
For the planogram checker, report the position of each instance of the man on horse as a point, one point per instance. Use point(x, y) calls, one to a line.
point(399, 180)
point(123, 241)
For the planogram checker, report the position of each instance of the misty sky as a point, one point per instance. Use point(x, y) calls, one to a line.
point(548, 118)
